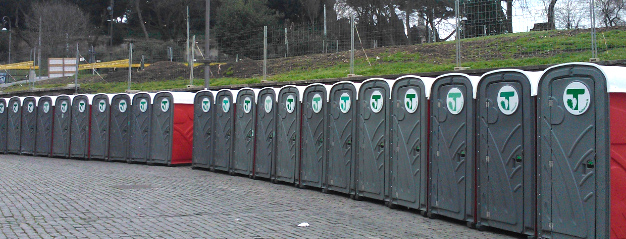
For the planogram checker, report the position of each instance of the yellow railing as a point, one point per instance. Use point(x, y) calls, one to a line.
point(20, 66)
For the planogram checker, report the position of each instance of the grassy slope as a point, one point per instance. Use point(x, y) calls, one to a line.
point(510, 50)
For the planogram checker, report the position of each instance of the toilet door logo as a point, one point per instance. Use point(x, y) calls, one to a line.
point(102, 106)
point(455, 101)
point(15, 107)
point(206, 105)
point(410, 101)
point(376, 101)
point(344, 103)
point(1, 108)
point(31, 107)
point(225, 104)
point(268, 104)
point(122, 106)
point(316, 103)
point(290, 104)
point(576, 98)
point(81, 106)
point(165, 105)
point(247, 105)
point(46, 107)
point(143, 105)
point(508, 100)
point(63, 106)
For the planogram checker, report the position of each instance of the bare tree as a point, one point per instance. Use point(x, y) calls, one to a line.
point(570, 13)
point(611, 12)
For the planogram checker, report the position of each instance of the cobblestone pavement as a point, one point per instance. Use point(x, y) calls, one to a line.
point(63, 198)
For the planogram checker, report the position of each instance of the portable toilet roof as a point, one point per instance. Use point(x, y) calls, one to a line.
point(356, 85)
point(428, 82)
point(533, 77)
point(301, 89)
point(473, 79)
point(276, 92)
point(255, 90)
point(389, 83)
point(233, 93)
point(327, 87)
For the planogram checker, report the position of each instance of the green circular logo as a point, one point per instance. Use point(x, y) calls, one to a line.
point(576, 98)
point(455, 101)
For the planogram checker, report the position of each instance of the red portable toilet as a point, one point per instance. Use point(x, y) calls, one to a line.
point(171, 130)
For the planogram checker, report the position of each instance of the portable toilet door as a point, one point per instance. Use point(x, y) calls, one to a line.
point(99, 132)
point(244, 132)
point(372, 140)
point(45, 113)
point(14, 125)
point(451, 192)
point(61, 126)
point(573, 158)
point(265, 142)
point(3, 125)
point(29, 125)
point(172, 121)
point(79, 139)
point(224, 130)
point(313, 135)
point(119, 128)
point(203, 136)
point(141, 110)
point(409, 142)
point(341, 156)
point(617, 95)
point(506, 151)
point(287, 134)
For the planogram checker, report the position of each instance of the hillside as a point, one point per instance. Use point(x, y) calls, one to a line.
point(510, 50)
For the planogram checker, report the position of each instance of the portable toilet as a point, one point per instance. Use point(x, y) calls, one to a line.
point(451, 190)
point(408, 165)
point(313, 135)
point(3, 125)
point(29, 125)
point(580, 111)
point(203, 127)
point(119, 128)
point(61, 126)
point(371, 179)
point(141, 110)
point(99, 130)
point(224, 130)
point(340, 161)
point(80, 128)
point(171, 137)
point(244, 132)
point(505, 170)
point(14, 123)
point(45, 117)
point(265, 144)
point(286, 161)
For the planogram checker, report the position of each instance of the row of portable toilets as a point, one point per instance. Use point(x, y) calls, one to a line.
point(526, 152)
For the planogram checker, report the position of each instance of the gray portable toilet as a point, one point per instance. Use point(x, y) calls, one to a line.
point(244, 131)
point(45, 117)
point(3, 125)
point(373, 140)
point(505, 170)
point(61, 127)
point(141, 110)
point(99, 132)
point(79, 136)
point(119, 127)
point(171, 130)
point(29, 125)
point(286, 161)
point(224, 130)
point(408, 166)
point(14, 129)
point(313, 135)
point(203, 127)
point(574, 153)
point(265, 140)
point(452, 148)
point(340, 161)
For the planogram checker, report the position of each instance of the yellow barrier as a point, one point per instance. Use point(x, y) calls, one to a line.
point(20, 66)
point(108, 64)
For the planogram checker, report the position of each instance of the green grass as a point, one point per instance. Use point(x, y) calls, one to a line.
point(503, 51)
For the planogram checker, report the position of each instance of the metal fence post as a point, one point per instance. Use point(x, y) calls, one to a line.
point(594, 45)
point(458, 34)
point(130, 64)
point(207, 39)
point(286, 43)
point(76, 75)
point(192, 60)
point(264, 53)
point(352, 45)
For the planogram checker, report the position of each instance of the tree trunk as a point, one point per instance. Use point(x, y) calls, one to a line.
point(551, 24)
point(141, 23)
point(509, 15)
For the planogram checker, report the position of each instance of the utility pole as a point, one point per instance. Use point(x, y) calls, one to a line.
point(352, 45)
point(130, 65)
point(264, 53)
point(110, 8)
point(39, 49)
point(207, 39)
point(76, 74)
point(187, 46)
